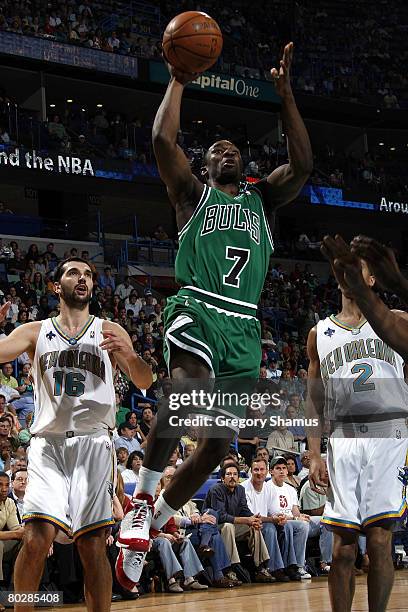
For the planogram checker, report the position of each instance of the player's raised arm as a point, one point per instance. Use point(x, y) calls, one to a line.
point(287, 181)
point(174, 168)
point(21, 340)
point(315, 410)
point(391, 326)
point(117, 342)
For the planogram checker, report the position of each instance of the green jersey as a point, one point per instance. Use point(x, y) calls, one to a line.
point(225, 247)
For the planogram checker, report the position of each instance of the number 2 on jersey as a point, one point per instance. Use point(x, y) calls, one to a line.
point(240, 257)
point(74, 383)
point(364, 371)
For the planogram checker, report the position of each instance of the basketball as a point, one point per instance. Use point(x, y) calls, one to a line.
point(192, 42)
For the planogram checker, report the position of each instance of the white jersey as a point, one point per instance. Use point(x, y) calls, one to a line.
point(73, 381)
point(362, 375)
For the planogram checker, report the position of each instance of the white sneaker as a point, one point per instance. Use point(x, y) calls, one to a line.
point(135, 527)
point(303, 573)
point(129, 567)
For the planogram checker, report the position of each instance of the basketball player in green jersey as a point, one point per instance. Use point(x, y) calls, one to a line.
point(211, 329)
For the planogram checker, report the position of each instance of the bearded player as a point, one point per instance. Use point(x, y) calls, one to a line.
point(211, 329)
point(357, 380)
point(71, 458)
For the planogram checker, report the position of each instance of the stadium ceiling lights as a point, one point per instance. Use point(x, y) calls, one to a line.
point(392, 148)
point(52, 105)
point(381, 144)
point(69, 100)
point(99, 105)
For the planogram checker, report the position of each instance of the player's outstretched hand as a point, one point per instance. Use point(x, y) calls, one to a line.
point(4, 310)
point(345, 264)
point(318, 475)
point(381, 261)
point(281, 77)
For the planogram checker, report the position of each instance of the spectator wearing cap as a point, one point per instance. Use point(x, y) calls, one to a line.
point(106, 279)
point(259, 498)
point(296, 525)
point(126, 438)
point(133, 465)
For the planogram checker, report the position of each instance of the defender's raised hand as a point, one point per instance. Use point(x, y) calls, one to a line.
point(345, 264)
point(281, 77)
point(381, 261)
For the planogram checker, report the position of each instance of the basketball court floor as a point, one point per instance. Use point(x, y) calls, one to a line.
point(307, 596)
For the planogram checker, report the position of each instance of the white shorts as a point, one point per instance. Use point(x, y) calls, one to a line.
point(364, 484)
point(71, 482)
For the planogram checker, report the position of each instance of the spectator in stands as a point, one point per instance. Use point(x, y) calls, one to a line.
point(262, 453)
point(273, 372)
point(281, 440)
point(122, 455)
point(106, 279)
point(296, 524)
point(312, 504)
point(51, 255)
point(3, 403)
point(18, 487)
point(133, 303)
point(24, 435)
point(5, 451)
point(6, 377)
point(237, 521)
point(57, 130)
point(134, 463)
point(10, 531)
point(292, 478)
point(85, 256)
point(123, 290)
point(259, 498)
point(159, 233)
point(146, 420)
point(298, 431)
point(126, 438)
point(131, 417)
point(305, 461)
point(121, 411)
point(166, 543)
point(32, 253)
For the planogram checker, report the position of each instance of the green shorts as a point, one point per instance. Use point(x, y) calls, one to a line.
point(229, 343)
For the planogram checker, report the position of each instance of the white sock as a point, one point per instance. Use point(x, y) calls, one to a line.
point(148, 480)
point(162, 513)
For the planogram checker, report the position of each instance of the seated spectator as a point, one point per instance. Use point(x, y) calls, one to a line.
point(312, 504)
point(305, 461)
point(24, 435)
point(160, 234)
point(259, 498)
point(121, 411)
point(25, 404)
point(296, 524)
point(177, 556)
point(134, 463)
point(123, 290)
point(57, 130)
point(6, 377)
point(5, 453)
point(298, 431)
point(106, 279)
point(262, 453)
point(18, 487)
point(292, 478)
point(131, 417)
point(11, 532)
point(272, 371)
point(126, 438)
point(237, 522)
point(122, 455)
point(281, 440)
point(3, 404)
point(147, 421)
point(133, 303)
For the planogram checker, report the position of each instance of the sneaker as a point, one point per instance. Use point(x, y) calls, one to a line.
point(135, 525)
point(129, 566)
point(194, 585)
point(324, 569)
point(280, 575)
point(232, 577)
point(293, 573)
point(174, 587)
point(303, 574)
point(262, 575)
